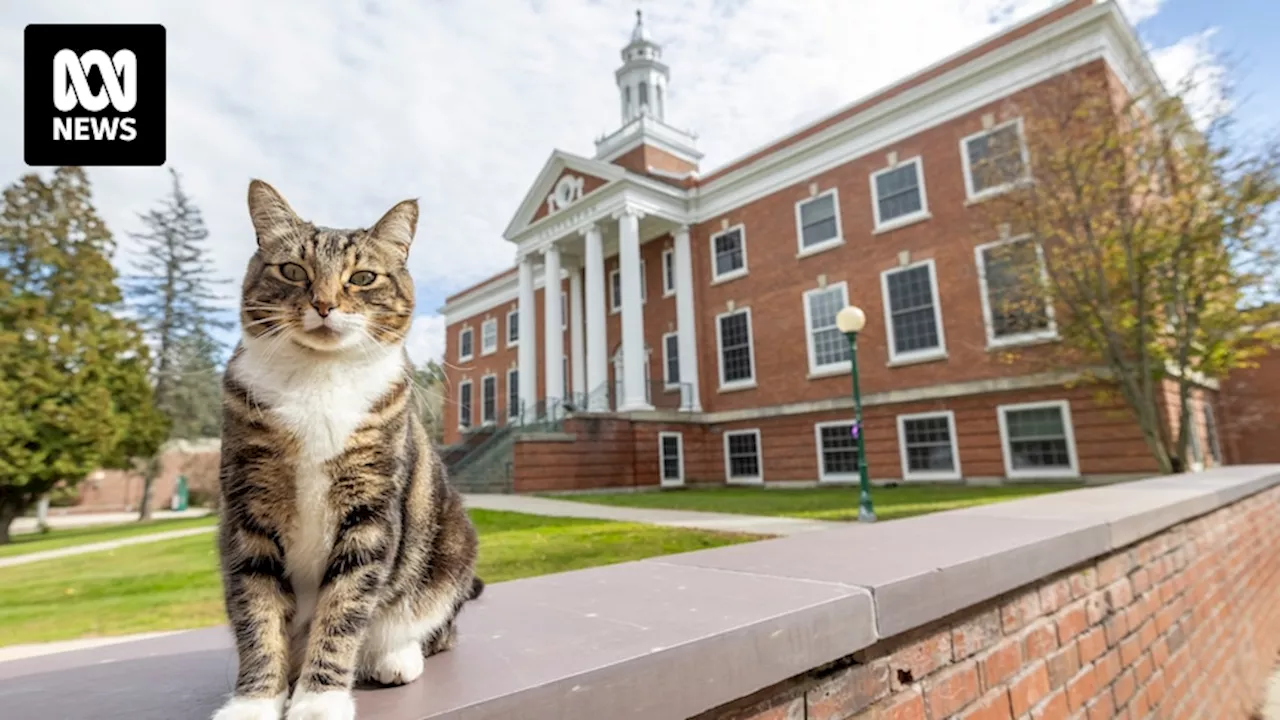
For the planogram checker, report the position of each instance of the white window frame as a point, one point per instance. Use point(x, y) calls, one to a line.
point(513, 409)
point(662, 479)
point(911, 218)
point(1035, 336)
point(564, 310)
point(815, 370)
point(741, 228)
point(467, 330)
point(838, 240)
point(1212, 439)
point(615, 279)
point(668, 276)
point(491, 322)
point(1068, 431)
point(513, 313)
point(970, 195)
point(823, 475)
point(728, 478)
point(472, 392)
point(929, 475)
point(915, 356)
point(751, 350)
point(496, 391)
point(667, 384)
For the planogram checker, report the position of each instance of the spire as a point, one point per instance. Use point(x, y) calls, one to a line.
point(639, 34)
point(642, 79)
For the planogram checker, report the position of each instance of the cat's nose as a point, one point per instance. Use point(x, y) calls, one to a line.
point(321, 307)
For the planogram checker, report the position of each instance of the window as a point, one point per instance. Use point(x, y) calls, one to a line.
point(1014, 305)
point(993, 159)
point(733, 336)
point(513, 328)
point(1194, 446)
point(644, 94)
point(564, 311)
point(742, 456)
point(818, 219)
point(564, 374)
point(513, 393)
point(671, 360)
point(828, 347)
point(837, 451)
point(728, 254)
point(912, 314)
point(668, 273)
point(489, 336)
point(615, 288)
point(489, 399)
point(1211, 430)
point(928, 445)
point(1037, 441)
point(897, 194)
point(466, 349)
point(671, 457)
point(464, 404)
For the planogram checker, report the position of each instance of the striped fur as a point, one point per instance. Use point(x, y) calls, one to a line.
point(345, 554)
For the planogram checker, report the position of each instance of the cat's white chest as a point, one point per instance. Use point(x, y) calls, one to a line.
point(321, 404)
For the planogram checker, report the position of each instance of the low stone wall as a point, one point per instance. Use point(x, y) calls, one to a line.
point(1159, 598)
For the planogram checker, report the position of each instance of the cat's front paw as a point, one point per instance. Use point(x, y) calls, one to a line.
point(327, 705)
point(247, 708)
point(399, 667)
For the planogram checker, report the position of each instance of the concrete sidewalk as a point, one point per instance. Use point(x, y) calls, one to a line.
point(62, 522)
point(721, 522)
point(101, 546)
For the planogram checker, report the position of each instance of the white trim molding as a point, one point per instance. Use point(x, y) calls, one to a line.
point(668, 272)
point(929, 475)
point(1046, 334)
point(827, 244)
point(496, 391)
point(902, 220)
point(513, 409)
point(823, 475)
point(513, 312)
point(924, 354)
point(743, 383)
point(758, 478)
point(970, 195)
point(840, 367)
point(1072, 471)
point(717, 277)
point(470, 333)
point(484, 326)
point(667, 384)
point(662, 456)
point(469, 405)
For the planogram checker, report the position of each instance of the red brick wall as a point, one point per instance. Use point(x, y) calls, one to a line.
point(1251, 412)
point(1185, 624)
point(644, 157)
point(119, 490)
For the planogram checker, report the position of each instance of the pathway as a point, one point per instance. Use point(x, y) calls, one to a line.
point(100, 546)
point(721, 522)
point(61, 522)
point(19, 652)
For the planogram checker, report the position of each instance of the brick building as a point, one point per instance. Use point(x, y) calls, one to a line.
point(692, 337)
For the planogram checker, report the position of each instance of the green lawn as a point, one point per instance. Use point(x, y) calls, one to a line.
point(54, 539)
point(827, 503)
point(174, 584)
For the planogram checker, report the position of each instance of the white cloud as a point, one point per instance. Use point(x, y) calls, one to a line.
point(1191, 67)
point(1138, 10)
point(348, 108)
point(426, 338)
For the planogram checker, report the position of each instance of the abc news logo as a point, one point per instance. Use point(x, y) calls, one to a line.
point(94, 95)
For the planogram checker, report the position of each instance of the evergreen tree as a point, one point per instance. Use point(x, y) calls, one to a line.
point(172, 293)
point(74, 388)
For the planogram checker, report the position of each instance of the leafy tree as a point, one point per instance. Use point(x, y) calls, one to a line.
point(428, 382)
point(1154, 241)
point(74, 389)
point(172, 294)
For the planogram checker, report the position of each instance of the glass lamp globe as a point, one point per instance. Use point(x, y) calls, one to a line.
point(851, 319)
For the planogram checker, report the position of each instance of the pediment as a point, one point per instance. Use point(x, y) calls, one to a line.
point(565, 180)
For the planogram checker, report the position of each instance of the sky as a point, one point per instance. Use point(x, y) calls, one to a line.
point(350, 107)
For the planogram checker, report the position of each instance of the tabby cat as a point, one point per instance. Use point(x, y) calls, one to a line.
point(345, 555)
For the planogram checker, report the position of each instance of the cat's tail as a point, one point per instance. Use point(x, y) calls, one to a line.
point(477, 587)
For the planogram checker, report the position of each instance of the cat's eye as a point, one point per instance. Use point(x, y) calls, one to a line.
point(362, 278)
point(293, 272)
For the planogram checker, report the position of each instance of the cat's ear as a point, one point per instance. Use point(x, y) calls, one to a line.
point(271, 215)
point(398, 225)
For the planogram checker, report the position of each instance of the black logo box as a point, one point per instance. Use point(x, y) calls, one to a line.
point(41, 43)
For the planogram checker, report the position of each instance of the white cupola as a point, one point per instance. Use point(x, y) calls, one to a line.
point(642, 79)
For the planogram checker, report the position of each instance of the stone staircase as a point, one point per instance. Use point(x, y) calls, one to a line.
point(485, 465)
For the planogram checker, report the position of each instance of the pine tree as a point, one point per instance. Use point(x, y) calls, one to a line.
point(74, 388)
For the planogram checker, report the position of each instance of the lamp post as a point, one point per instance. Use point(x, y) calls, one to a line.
point(850, 321)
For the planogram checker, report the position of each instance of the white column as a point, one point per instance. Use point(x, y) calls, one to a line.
point(554, 345)
point(597, 342)
point(687, 336)
point(633, 381)
point(577, 361)
point(527, 357)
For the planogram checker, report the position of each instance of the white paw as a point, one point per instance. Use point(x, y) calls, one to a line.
point(243, 708)
point(399, 667)
point(327, 705)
